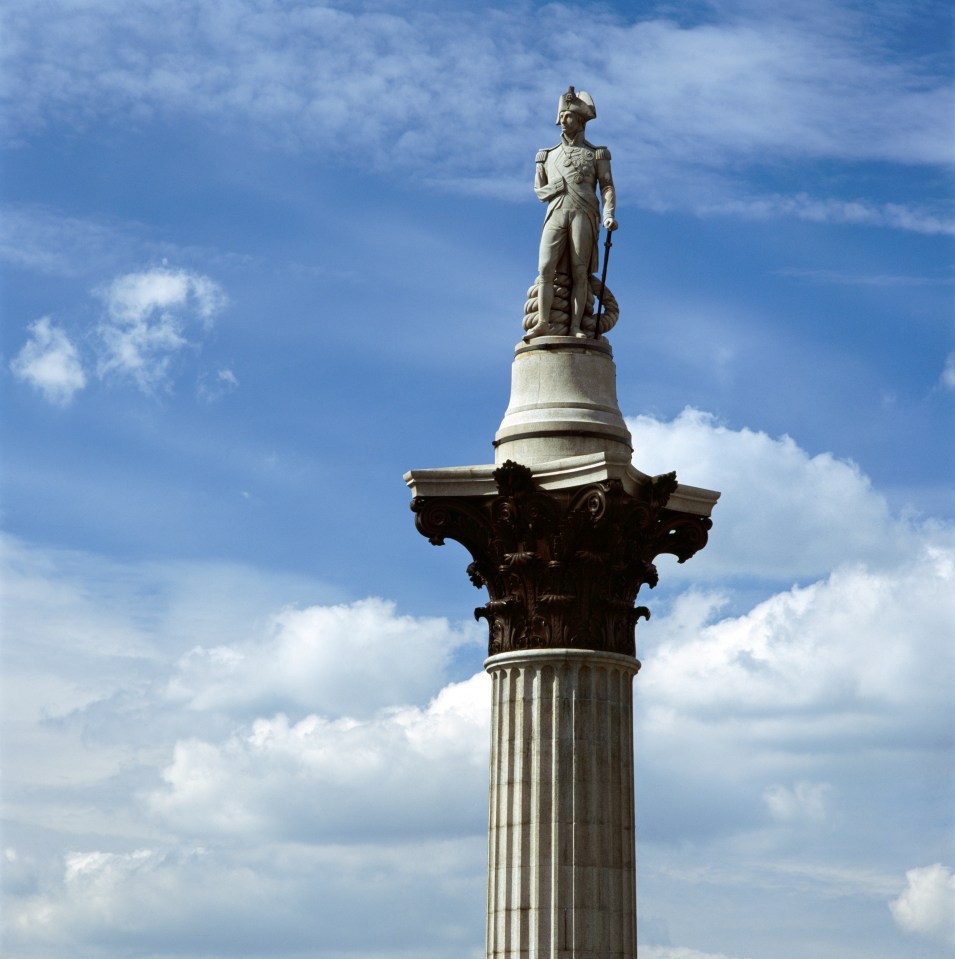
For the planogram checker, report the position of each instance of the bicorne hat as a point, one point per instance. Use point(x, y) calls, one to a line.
point(580, 103)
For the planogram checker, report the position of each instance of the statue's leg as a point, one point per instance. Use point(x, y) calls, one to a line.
point(581, 243)
point(553, 241)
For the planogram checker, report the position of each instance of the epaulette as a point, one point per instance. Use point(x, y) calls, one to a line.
point(542, 156)
point(602, 153)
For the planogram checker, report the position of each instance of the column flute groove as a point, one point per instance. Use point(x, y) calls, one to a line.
point(562, 810)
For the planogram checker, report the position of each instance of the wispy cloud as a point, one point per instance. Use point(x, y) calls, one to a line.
point(947, 378)
point(52, 243)
point(149, 319)
point(802, 801)
point(50, 363)
point(698, 106)
point(36, 238)
point(147, 316)
point(213, 386)
point(865, 279)
point(802, 206)
point(679, 952)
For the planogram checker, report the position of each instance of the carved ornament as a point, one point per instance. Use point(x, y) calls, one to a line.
point(562, 568)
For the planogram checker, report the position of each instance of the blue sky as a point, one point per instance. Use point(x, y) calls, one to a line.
point(259, 259)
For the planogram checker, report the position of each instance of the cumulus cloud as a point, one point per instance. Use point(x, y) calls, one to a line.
point(340, 660)
point(136, 296)
point(147, 316)
point(321, 754)
point(405, 772)
point(50, 363)
point(926, 906)
point(297, 825)
point(783, 512)
point(745, 723)
point(828, 651)
point(705, 102)
point(91, 646)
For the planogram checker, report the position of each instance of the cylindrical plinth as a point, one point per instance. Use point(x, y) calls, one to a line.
point(563, 402)
point(561, 858)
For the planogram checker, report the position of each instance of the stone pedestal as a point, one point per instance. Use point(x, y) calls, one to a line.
point(563, 403)
point(560, 834)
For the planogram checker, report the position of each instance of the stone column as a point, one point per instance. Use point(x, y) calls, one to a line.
point(561, 832)
point(563, 531)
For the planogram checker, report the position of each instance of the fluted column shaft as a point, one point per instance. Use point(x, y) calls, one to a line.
point(561, 856)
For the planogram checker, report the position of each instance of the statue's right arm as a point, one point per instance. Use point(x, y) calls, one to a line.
point(546, 191)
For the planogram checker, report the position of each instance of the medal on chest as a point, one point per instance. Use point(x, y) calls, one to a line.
point(578, 162)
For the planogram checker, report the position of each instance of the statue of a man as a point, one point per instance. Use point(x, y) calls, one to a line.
point(567, 178)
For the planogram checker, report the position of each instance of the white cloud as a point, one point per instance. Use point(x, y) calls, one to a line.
point(864, 279)
point(773, 734)
point(51, 242)
point(97, 858)
point(829, 652)
point(948, 373)
point(752, 78)
point(214, 387)
point(90, 648)
point(679, 952)
point(50, 362)
point(340, 660)
point(783, 512)
point(803, 800)
point(700, 104)
point(201, 771)
point(926, 906)
point(406, 772)
point(829, 210)
point(71, 600)
point(38, 239)
point(133, 298)
point(301, 902)
point(147, 317)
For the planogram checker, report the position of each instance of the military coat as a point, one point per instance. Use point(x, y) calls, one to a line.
point(567, 178)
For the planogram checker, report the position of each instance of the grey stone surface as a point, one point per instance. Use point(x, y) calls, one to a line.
point(566, 473)
point(566, 178)
point(563, 402)
point(561, 848)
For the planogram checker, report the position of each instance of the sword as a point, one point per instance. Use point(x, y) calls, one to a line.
point(603, 284)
